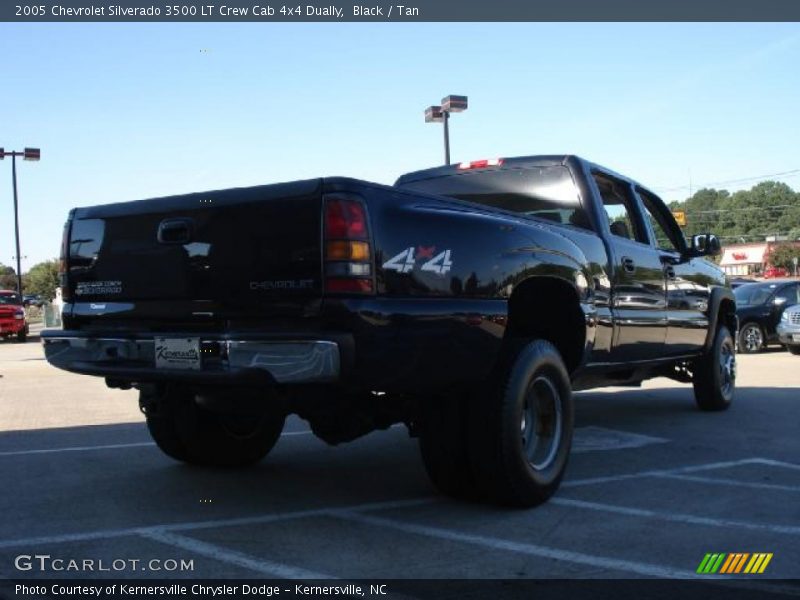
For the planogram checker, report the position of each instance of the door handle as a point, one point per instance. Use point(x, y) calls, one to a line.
point(628, 264)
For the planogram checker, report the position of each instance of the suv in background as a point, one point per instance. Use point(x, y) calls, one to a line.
point(759, 307)
point(12, 316)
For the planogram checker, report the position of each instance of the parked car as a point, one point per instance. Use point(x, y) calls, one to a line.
point(759, 307)
point(32, 300)
point(466, 301)
point(12, 316)
point(789, 328)
point(775, 272)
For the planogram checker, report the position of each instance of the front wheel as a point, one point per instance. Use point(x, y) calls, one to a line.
point(714, 374)
point(751, 338)
point(794, 349)
point(186, 431)
point(521, 429)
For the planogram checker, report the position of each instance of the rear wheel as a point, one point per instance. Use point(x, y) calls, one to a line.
point(188, 432)
point(714, 375)
point(794, 348)
point(22, 336)
point(751, 338)
point(521, 430)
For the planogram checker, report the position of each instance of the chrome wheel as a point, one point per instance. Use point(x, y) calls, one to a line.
point(751, 339)
point(727, 369)
point(541, 423)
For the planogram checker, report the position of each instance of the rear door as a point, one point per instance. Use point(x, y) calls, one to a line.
point(638, 281)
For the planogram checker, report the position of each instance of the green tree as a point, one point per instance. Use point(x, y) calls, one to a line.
point(784, 255)
point(42, 279)
point(8, 278)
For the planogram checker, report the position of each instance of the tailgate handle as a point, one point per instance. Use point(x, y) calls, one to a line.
point(175, 231)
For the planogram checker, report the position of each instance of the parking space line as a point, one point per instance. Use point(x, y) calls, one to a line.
point(76, 449)
point(676, 517)
point(662, 472)
point(232, 557)
point(647, 569)
point(210, 524)
point(733, 482)
point(110, 446)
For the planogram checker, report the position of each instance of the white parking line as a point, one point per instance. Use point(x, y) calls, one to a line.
point(675, 471)
point(647, 569)
point(239, 559)
point(104, 534)
point(675, 517)
point(733, 482)
point(109, 446)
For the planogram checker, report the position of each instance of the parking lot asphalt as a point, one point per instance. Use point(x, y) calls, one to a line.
point(653, 485)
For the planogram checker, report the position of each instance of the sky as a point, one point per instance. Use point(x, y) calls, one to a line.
point(130, 111)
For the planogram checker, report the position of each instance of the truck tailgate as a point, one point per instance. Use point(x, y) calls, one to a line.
point(249, 253)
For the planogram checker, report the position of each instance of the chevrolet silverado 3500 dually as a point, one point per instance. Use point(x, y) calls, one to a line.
point(466, 301)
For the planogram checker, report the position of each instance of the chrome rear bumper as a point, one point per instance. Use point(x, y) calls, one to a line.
point(284, 361)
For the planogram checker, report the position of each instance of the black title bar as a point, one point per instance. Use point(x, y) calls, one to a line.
point(398, 12)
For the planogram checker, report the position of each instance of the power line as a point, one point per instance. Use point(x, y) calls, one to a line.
point(791, 173)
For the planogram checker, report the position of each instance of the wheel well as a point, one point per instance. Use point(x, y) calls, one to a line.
point(548, 308)
point(727, 316)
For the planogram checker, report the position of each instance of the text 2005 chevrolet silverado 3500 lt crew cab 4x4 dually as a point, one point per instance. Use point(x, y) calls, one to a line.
point(466, 301)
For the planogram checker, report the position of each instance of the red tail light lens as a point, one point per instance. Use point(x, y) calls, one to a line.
point(348, 255)
point(345, 219)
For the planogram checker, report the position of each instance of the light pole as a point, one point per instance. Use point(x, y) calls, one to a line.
point(441, 114)
point(27, 154)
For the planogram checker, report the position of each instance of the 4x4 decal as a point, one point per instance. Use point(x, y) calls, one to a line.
point(407, 260)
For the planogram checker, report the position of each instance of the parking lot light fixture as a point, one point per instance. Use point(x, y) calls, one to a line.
point(441, 114)
point(27, 154)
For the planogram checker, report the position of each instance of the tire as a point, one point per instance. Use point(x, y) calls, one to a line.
point(794, 349)
point(22, 336)
point(714, 375)
point(751, 338)
point(190, 433)
point(444, 445)
point(512, 463)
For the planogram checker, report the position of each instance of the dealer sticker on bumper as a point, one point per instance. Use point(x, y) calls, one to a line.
point(177, 353)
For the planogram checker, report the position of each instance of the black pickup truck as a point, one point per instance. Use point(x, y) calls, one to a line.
point(466, 301)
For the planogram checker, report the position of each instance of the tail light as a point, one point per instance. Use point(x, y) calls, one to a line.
point(348, 255)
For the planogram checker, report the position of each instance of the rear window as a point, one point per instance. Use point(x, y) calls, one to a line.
point(543, 192)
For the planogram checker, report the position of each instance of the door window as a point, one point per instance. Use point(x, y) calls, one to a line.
point(664, 234)
point(619, 207)
point(789, 294)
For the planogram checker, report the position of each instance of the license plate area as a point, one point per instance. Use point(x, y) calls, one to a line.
point(796, 337)
point(177, 353)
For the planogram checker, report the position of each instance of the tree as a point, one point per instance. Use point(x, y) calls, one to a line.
point(42, 279)
point(784, 255)
point(8, 278)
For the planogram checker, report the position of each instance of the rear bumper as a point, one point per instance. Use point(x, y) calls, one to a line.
point(223, 361)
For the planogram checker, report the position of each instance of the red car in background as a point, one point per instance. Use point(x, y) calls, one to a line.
point(12, 316)
point(775, 272)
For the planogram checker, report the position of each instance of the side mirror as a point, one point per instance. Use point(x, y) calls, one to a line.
point(779, 300)
point(705, 244)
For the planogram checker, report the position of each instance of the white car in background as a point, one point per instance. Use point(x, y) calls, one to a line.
point(789, 328)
